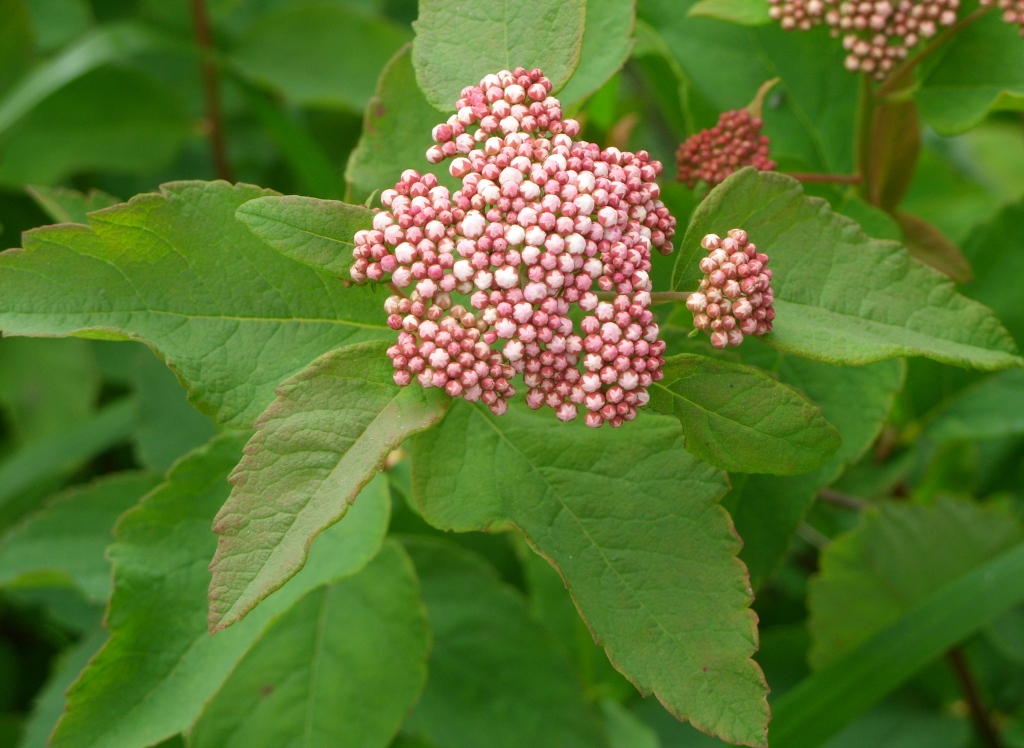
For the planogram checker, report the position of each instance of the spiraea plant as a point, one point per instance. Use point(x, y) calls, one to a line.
point(472, 427)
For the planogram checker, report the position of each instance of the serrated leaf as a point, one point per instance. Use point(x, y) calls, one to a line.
point(978, 71)
point(486, 649)
point(992, 408)
point(631, 521)
point(327, 434)
point(740, 419)
point(318, 233)
point(396, 132)
point(160, 666)
point(841, 297)
point(230, 315)
point(319, 54)
point(607, 43)
point(926, 243)
point(740, 12)
point(69, 535)
point(341, 667)
point(457, 45)
point(69, 206)
point(896, 558)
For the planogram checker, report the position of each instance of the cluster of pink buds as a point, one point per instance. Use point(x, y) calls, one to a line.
point(712, 155)
point(1013, 11)
point(797, 14)
point(735, 296)
point(541, 222)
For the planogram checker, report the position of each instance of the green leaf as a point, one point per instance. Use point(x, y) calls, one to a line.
point(996, 252)
point(68, 536)
point(70, 206)
point(319, 55)
point(327, 434)
point(318, 233)
point(841, 297)
point(16, 42)
point(607, 44)
point(46, 385)
point(738, 418)
point(897, 557)
point(487, 649)
point(160, 666)
point(625, 730)
point(980, 70)
point(927, 244)
point(396, 132)
point(457, 45)
point(231, 316)
point(342, 667)
point(656, 579)
point(740, 12)
point(990, 409)
point(110, 119)
point(821, 705)
point(57, 22)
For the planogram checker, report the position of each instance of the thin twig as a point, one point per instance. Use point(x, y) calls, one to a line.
point(396, 290)
point(211, 90)
point(808, 178)
point(979, 715)
point(843, 500)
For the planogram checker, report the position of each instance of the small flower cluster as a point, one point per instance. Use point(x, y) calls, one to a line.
point(877, 34)
point(1013, 11)
point(540, 223)
point(735, 296)
point(712, 155)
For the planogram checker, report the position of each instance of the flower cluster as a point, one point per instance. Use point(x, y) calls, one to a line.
point(1013, 11)
point(541, 222)
point(712, 155)
point(735, 296)
point(876, 34)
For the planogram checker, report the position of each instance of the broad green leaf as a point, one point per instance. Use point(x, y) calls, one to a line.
point(457, 45)
point(228, 314)
point(327, 434)
point(161, 666)
point(992, 408)
point(341, 667)
point(396, 132)
point(168, 426)
point(996, 251)
point(740, 419)
point(110, 119)
point(740, 12)
point(631, 521)
point(905, 725)
point(875, 222)
point(841, 297)
point(607, 43)
point(897, 557)
point(318, 54)
point(46, 385)
point(978, 71)
point(926, 243)
point(70, 206)
point(495, 678)
point(57, 22)
point(318, 233)
point(625, 730)
point(67, 537)
point(821, 705)
point(767, 509)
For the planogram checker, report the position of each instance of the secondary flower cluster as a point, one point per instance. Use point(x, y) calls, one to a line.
point(876, 33)
point(541, 223)
point(712, 155)
point(1013, 11)
point(735, 296)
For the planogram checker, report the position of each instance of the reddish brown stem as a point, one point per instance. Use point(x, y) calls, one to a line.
point(809, 178)
point(395, 289)
point(211, 90)
point(979, 715)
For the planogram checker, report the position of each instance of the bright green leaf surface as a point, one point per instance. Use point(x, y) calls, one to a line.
point(738, 418)
point(161, 666)
point(631, 521)
point(740, 12)
point(901, 554)
point(458, 44)
point(841, 297)
point(341, 668)
point(318, 233)
point(495, 678)
point(70, 206)
point(230, 315)
point(319, 54)
point(323, 439)
point(607, 42)
point(69, 535)
point(991, 409)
